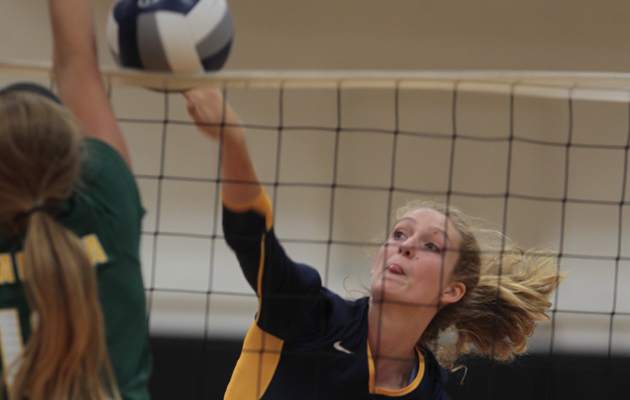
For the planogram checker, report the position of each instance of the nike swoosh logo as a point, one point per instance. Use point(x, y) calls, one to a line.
point(340, 348)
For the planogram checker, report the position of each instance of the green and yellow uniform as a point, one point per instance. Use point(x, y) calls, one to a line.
point(105, 212)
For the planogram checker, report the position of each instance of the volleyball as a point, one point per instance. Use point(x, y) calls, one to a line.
point(170, 35)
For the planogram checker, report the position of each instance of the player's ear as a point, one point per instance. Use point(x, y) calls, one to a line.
point(453, 292)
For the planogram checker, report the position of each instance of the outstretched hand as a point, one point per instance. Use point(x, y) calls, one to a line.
point(210, 112)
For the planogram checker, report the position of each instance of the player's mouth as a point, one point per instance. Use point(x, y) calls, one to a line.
point(395, 269)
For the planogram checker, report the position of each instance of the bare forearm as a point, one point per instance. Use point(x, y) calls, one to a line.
point(240, 182)
point(215, 118)
point(74, 40)
point(77, 74)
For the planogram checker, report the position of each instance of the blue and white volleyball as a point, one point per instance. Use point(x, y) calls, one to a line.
point(170, 35)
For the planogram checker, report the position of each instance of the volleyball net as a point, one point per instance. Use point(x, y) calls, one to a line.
point(542, 156)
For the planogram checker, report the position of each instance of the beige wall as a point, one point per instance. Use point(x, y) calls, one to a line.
point(390, 34)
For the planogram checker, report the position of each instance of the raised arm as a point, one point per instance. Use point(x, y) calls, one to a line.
point(218, 120)
point(75, 63)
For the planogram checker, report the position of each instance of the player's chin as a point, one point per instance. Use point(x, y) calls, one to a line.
point(386, 291)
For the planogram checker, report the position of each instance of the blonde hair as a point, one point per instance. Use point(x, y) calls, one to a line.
point(65, 356)
point(507, 292)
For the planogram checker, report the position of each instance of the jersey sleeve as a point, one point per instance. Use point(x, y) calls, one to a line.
point(289, 293)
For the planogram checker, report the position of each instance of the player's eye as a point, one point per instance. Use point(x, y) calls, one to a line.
point(398, 234)
point(433, 247)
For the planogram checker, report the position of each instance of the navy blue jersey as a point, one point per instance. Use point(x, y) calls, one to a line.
point(306, 342)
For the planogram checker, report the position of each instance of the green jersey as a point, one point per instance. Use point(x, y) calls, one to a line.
point(105, 212)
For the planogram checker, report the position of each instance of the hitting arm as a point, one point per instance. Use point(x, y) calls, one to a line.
point(287, 291)
point(216, 118)
point(75, 65)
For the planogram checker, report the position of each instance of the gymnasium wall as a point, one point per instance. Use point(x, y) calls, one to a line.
point(579, 35)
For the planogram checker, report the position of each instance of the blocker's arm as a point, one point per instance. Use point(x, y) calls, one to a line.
point(76, 69)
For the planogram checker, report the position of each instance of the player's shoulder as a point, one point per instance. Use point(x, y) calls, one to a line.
point(103, 166)
point(94, 148)
point(107, 183)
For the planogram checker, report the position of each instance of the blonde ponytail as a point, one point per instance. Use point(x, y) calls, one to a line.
point(503, 309)
point(65, 357)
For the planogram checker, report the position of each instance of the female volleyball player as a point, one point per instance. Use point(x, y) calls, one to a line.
point(72, 303)
point(431, 274)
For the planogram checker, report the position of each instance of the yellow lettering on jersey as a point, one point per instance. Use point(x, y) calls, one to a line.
point(6, 269)
point(19, 260)
point(94, 249)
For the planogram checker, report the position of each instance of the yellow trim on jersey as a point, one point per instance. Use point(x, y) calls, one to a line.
point(6, 269)
point(92, 245)
point(388, 392)
point(261, 268)
point(19, 261)
point(261, 351)
point(256, 365)
point(94, 249)
point(261, 205)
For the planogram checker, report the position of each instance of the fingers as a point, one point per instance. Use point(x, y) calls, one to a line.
point(204, 99)
point(210, 112)
point(206, 95)
point(205, 108)
point(192, 100)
